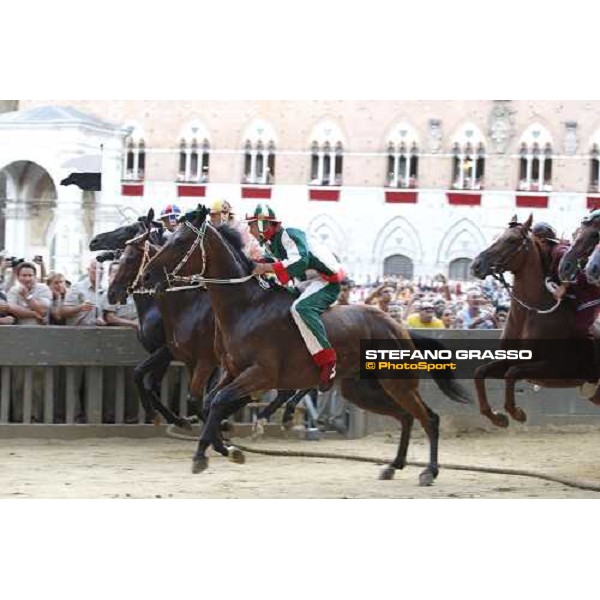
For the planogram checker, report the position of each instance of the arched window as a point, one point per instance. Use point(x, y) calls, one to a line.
point(468, 159)
point(259, 154)
point(398, 264)
point(327, 155)
point(535, 162)
point(403, 157)
point(194, 157)
point(193, 161)
point(134, 163)
point(459, 269)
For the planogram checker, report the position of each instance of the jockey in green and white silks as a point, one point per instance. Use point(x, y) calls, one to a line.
point(296, 258)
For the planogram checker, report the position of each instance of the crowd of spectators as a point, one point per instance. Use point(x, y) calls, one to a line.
point(30, 296)
point(434, 302)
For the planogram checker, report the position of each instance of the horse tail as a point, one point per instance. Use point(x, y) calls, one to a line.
point(445, 380)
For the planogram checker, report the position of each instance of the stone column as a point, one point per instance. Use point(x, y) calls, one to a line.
point(68, 232)
point(16, 243)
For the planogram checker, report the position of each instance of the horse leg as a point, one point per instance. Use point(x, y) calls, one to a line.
point(492, 370)
point(154, 368)
point(227, 400)
point(287, 419)
point(263, 416)
point(369, 395)
point(406, 394)
point(533, 370)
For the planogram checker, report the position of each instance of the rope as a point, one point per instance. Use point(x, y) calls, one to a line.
point(574, 483)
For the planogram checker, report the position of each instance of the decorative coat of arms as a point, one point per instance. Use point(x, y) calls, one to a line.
point(501, 126)
point(435, 136)
point(570, 138)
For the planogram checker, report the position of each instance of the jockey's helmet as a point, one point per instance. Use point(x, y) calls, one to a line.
point(545, 232)
point(220, 206)
point(171, 212)
point(593, 216)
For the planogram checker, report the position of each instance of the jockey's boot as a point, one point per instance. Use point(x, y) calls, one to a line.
point(326, 361)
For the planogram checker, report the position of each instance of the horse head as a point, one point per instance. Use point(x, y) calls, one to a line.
point(506, 252)
point(178, 255)
point(587, 237)
point(117, 238)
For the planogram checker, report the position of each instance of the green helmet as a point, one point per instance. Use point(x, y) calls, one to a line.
point(591, 217)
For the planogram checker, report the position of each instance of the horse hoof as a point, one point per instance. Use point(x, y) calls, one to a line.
point(499, 420)
point(156, 420)
point(258, 429)
point(236, 455)
point(387, 473)
point(287, 425)
point(519, 415)
point(199, 464)
point(185, 424)
point(426, 478)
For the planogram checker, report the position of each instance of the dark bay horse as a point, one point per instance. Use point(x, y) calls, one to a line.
point(534, 315)
point(178, 323)
point(262, 349)
point(575, 258)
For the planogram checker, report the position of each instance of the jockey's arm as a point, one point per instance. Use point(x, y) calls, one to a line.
point(296, 263)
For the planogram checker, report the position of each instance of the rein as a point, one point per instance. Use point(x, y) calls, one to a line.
point(498, 275)
point(133, 288)
point(198, 280)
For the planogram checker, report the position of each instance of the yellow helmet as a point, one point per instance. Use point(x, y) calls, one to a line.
point(220, 206)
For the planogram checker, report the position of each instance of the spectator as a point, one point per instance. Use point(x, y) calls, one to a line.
point(58, 286)
point(80, 305)
point(5, 318)
point(472, 316)
point(425, 318)
point(29, 300)
point(119, 314)
point(448, 318)
point(382, 297)
point(500, 316)
point(344, 295)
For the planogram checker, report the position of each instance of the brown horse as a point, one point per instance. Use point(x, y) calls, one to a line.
point(180, 322)
point(534, 315)
point(262, 349)
point(592, 268)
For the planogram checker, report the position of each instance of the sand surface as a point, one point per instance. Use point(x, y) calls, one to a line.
point(160, 468)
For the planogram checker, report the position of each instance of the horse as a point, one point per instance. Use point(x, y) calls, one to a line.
point(262, 348)
point(534, 315)
point(181, 328)
point(587, 238)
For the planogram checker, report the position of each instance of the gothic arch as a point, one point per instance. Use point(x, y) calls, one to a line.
point(327, 130)
point(463, 240)
point(324, 229)
point(397, 236)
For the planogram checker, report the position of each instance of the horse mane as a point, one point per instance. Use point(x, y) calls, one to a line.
point(233, 239)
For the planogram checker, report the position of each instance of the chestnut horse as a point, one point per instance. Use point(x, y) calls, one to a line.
point(534, 315)
point(262, 349)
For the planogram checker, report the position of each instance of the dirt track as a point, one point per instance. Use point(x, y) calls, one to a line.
point(150, 468)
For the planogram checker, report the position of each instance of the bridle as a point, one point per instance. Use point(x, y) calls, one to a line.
point(498, 269)
point(198, 280)
point(135, 288)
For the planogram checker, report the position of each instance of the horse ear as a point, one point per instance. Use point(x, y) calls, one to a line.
point(202, 212)
point(528, 223)
point(150, 216)
point(513, 222)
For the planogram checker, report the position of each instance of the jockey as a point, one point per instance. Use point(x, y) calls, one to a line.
point(586, 295)
point(294, 258)
point(580, 289)
point(169, 216)
point(222, 213)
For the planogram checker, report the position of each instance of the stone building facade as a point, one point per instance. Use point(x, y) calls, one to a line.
point(412, 187)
